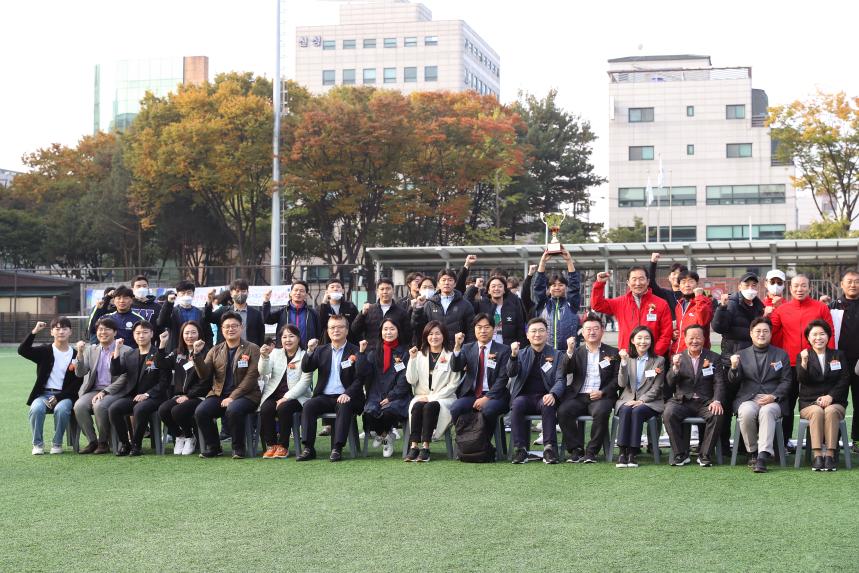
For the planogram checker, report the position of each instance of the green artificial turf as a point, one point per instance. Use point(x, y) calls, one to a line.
point(162, 513)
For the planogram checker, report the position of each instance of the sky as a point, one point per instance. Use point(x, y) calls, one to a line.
point(48, 49)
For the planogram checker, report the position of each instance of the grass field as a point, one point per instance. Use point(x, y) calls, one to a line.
point(101, 513)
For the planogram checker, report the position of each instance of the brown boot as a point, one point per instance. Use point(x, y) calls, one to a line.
point(103, 448)
point(90, 448)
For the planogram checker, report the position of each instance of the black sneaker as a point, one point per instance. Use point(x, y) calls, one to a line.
point(817, 464)
point(576, 457)
point(424, 455)
point(239, 454)
point(790, 448)
point(621, 461)
point(550, 456)
point(704, 461)
point(213, 453)
point(336, 455)
point(761, 465)
point(135, 451)
point(124, 450)
point(631, 462)
point(306, 454)
point(829, 464)
point(520, 456)
point(590, 459)
point(681, 460)
point(855, 447)
point(225, 436)
point(412, 456)
point(753, 459)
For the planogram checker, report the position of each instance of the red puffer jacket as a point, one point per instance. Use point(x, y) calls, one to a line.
point(789, 321)
point(629, 315)
point(700, 312)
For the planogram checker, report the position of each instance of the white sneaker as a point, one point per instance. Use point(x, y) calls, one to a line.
point(388, 449)
point(179, 446)
point(190, 446)
point(377, 441)
point(38, 450)
point(395, 432)
point(539, 440)
point(56, 449)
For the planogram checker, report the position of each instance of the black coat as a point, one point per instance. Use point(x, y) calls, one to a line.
point(469, 360)
point(813, 383)
point(578, 367)
point(308, 322)
point(143, 374)
point(848, 341)
point(43, 356)
point(347, 309)
point(672, 297)
point(458, 317)
point(254, 330)
point(170, 318)
point(687, 384)
point(381, 385)
point(320, 360)
point(733, 321)
point(513, 316)
point(369, 326)
point(182, 381)
point(775, 382)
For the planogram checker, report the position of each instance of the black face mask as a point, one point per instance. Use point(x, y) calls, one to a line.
point(689, 296)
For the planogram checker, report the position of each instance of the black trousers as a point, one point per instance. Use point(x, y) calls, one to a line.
point(234, 416)
point(424, 421)
point(673, 416)
point(179, 418)
point(854, 396)
point(787, 421)
point(382, 424)
point(581, 405)
point(327, 404)
point(269, 413)
point(141, 411)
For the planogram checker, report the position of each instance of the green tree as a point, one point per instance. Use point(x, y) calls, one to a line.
point(827, 228)
point(634, 234)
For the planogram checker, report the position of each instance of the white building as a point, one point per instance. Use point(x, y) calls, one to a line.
point(6, 177)
point(395, 44)
point(705, 127)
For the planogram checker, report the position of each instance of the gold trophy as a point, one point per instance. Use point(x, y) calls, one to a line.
point(553, 224)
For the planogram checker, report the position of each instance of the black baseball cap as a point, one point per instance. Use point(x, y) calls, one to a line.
point(749, 277)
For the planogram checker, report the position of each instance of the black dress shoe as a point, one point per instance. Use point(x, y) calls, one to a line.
point(124, 450)
point(239, 454)
point(424, 455)
point(412, 456)
point(90, 448)
point(136, 451)
point(817, 464)
point(306, 454)
point(829, 464)
point(761, 464)
point(336, 455)
point(753, 459)
point(704, 461)
point(102, 448)
point(212, 453)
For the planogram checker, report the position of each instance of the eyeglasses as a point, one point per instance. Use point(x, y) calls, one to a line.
point(336, 327)
point(231, 326)
point(537, 331)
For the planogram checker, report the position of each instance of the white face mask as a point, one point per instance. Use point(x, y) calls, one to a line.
point(335, 296)
point(774, 289)
point(141, 292)
point(427, 292)
point(749, 293)
point(185, 300)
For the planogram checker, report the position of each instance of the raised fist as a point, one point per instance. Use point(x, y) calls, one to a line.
point(366, 308)
point(470, 260)
point(164, 337)
point(267, 296)
point(458, 339)
point(40, 326)
point(81, 345)
point(571, 344)
point(514, 348)
point(312, 344)
point(624, 355)
point(723, 300)
point(199, 345)
point(603, 277)
point(119, 343)
point(804, 356)
point(654, 257)
point(265, 350)
point(413, 351)
point(698, 291)
point(211, 296)
point(171, 297)
point(362, 346)
point(735, 361)
point(675, 361)
point(532, 269)
point(768, 310)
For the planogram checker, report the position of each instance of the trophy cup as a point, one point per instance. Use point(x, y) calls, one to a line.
point(553, 223)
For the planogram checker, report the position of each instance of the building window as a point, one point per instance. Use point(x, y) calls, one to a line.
point(630, 197)
point(690, 149)
point(640, 114)
point(410, 74)
point(641, 153)
point(327, 77)
point(410, 41)
point(690, 111)
point(329, 44)
point(369, 42)
point(636, 196)
point(390, 42)
point(369, 75)
point(349, 77)
point(735, 111)
point(390, 75)
point(430, 73)
point(741, 232)
point(739, 150)
point(745, 194)
point(674, 234)
point(348, 44)
point(431, 41)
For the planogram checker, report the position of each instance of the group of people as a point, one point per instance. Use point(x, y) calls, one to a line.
point(455, 346)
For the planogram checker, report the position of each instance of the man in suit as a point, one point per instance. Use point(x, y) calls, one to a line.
point(101, 388)
point(537, 382)
point(368, 325)
point(593, 390)
point(447, 306)
point(696, 384)
point(484, 386)
point(763, 375)
point(253, 329)
point(179, 309)
point(233, 366)
point(338, 388)
point(297, 311)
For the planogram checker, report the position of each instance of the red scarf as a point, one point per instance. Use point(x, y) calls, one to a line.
point(388, 350)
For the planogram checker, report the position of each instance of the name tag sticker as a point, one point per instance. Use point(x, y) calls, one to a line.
point(546, 366)
point(835, 365)
point(243, 364)
point(441, 367)
point(346, 364)
point(777, 366)
point(707, 371)
point(490, 363)
point(650, 373)
point(605, 363)
point(399, 366)
point(651, 317)
point(188, 365)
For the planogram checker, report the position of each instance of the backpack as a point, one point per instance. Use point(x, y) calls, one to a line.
point(472, 439)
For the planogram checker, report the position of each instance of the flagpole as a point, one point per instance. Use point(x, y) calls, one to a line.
point(659, 181)
point(670, 199)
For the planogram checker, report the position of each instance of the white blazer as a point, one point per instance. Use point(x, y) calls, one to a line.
point(444, 383)
point(273, 367)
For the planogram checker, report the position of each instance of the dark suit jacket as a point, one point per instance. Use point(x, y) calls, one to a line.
point(326, 311)
point(555, 380)
point(775, 382)
point(43, 356)
point(578, 367)
point(814, 383)
point(255, 328)
point(688, 385)
point(307, 321)
point(369, 326)
point(320, 360)
point(469, 360)
point(245, 379)
point(144, 376)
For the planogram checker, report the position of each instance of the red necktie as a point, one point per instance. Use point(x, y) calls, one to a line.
point(478, 387)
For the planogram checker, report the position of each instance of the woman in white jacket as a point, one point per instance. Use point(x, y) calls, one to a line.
point(285, 390)
point(434, 386)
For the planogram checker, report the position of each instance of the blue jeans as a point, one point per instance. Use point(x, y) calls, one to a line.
point(62, 415)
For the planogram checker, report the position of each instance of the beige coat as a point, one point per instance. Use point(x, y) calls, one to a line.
point(271, 370)
point(650, 391)
point(444, 383)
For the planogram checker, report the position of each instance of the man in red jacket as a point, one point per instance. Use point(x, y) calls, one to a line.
point(694, 308)
point(789, 321)
point(638, 307)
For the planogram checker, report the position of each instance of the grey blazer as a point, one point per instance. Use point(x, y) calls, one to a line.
point(775, 382)
point(650, 391)
point(88, 359)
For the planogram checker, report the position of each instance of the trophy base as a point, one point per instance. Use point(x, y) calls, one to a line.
point(554, 248)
